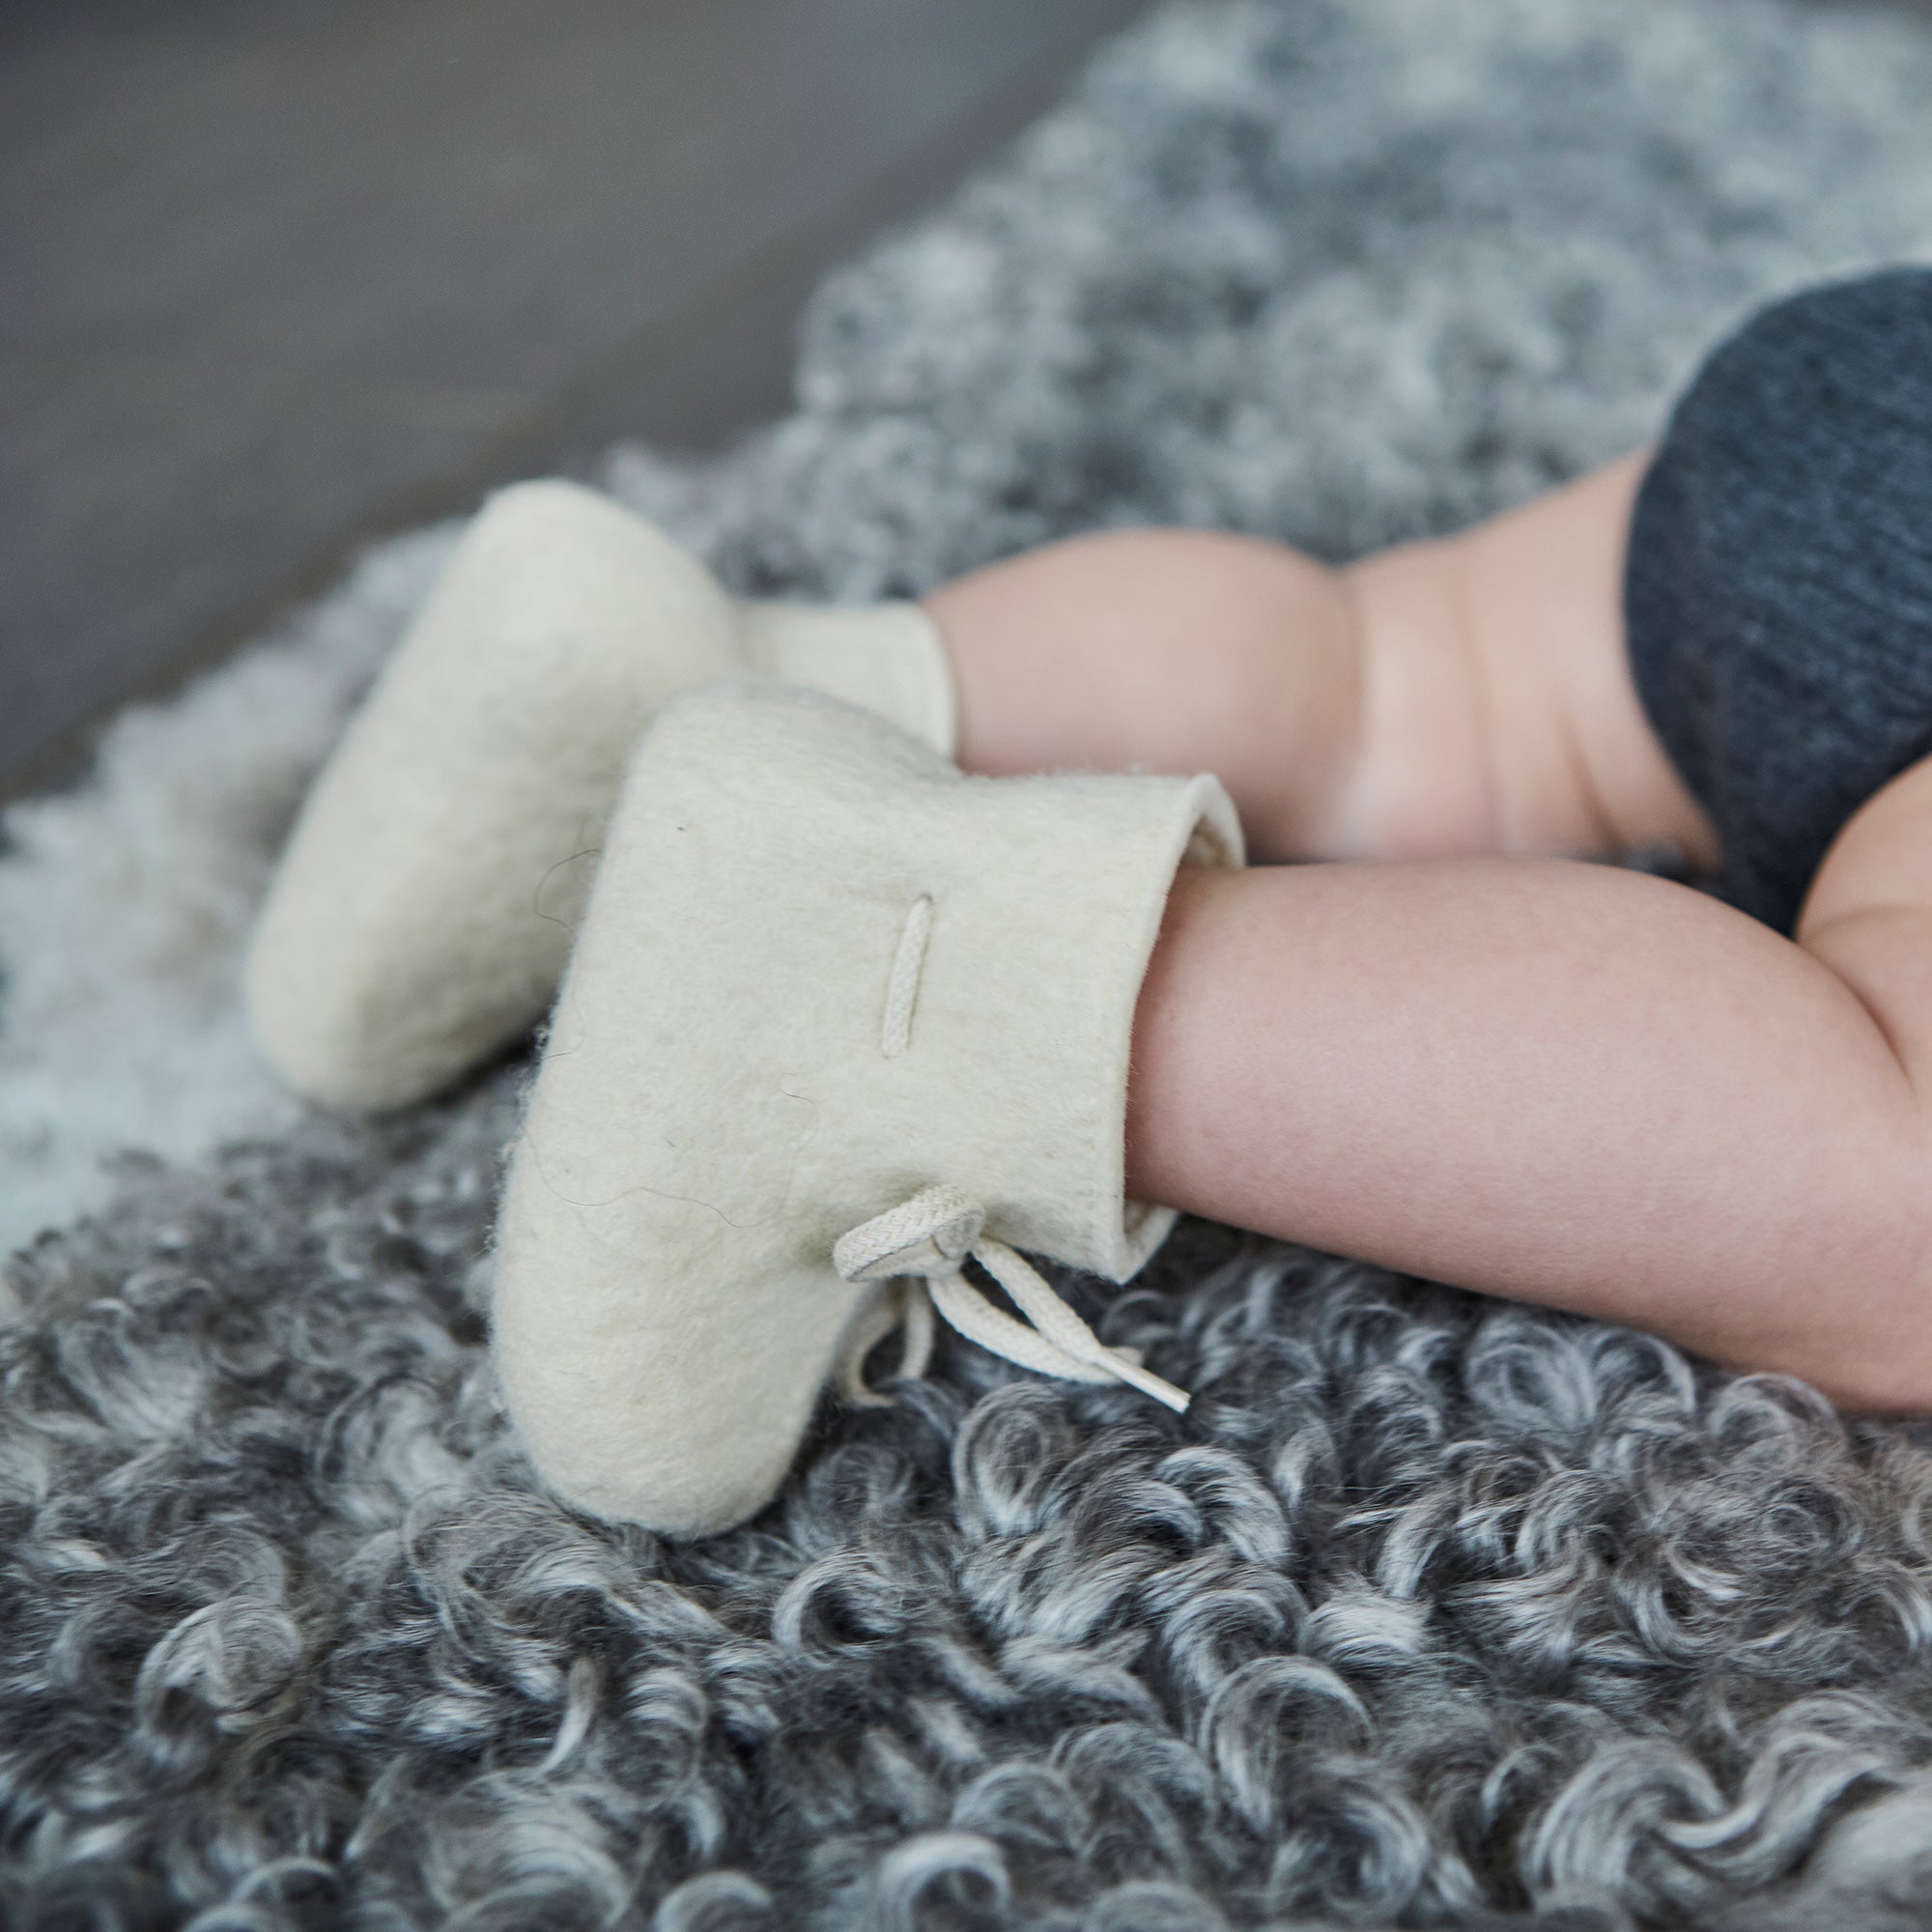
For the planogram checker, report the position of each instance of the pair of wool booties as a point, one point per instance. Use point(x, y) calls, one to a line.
point(836, 1019)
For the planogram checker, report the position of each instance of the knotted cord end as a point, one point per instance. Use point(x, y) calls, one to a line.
point(932, 1235)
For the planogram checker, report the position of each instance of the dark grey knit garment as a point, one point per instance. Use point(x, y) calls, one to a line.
point(1779, 580)
point(1436, 1612)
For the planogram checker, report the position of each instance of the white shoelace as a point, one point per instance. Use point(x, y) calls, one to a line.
point(925, 1244)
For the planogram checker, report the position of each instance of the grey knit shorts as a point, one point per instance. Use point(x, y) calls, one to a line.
point(1778, 588)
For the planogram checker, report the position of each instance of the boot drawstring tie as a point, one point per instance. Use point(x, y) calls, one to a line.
point(925, 1244)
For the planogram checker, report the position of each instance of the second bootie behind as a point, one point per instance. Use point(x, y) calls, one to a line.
point(426, 900)
point(840, 1021)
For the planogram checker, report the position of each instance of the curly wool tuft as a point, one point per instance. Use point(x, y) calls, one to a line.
point(1432, 1613)
point(1434, 1610)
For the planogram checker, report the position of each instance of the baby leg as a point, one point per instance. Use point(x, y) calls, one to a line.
point(1168, 650)
point(1559, 1082)
point(1468, 695)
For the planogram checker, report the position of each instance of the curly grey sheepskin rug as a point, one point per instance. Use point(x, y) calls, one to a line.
point(1436, 1613)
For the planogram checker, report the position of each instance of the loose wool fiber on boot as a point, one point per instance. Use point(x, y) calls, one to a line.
point(1431, 1612)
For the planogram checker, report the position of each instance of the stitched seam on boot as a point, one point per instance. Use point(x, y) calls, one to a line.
point(902, 984)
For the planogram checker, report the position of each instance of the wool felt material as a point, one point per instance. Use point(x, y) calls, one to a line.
point(424, 906)
point(735, 1078)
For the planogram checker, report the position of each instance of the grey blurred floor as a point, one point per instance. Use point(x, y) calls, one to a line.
point(279, 276)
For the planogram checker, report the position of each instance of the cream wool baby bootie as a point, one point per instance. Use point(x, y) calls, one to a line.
point(839, 1019)
point(426, 900)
